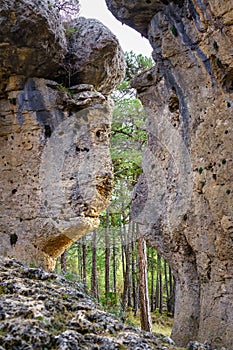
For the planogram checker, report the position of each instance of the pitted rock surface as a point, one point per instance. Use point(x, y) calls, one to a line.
point(43, 310)
point(184, 199)
point(95, 56)
point(32, 39)
point(53, 186)
point(53, 132)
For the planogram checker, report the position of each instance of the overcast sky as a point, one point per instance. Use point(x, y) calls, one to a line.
point(128, 38)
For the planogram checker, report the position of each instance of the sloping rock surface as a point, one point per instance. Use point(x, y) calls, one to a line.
point(41, 310)
point(32, 39)
point(95, 55)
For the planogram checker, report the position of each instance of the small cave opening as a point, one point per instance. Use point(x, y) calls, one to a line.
point(47, 131)
point(13, 239)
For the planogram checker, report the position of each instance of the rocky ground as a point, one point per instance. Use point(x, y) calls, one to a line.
point(41, 311)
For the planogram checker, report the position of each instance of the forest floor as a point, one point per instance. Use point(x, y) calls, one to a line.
point(161, 323)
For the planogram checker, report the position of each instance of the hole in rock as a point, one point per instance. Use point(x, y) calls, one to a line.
point(14, 191)
point(47, 131)
point(13, 239)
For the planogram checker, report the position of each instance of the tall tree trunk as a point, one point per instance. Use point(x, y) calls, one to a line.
point(152, 298)
point(80, 259)
point(114, 264)
point(127, 272)
point(160, 284)
point(107, 255)
point(133, 271)
point(166, 282)
point(157, 290)
point(145, 316)
point(172, 288)
point(84, 256)
point(63, 262)
point(94, 278)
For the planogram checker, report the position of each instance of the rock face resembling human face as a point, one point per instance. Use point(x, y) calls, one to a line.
point(76, 177)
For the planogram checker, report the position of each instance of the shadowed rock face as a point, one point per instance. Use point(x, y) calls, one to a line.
point(183, 200)
point(32, 39)
point(56, 173)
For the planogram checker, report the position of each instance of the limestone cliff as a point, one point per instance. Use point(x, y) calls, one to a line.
point(55, 119)
point(183, 200)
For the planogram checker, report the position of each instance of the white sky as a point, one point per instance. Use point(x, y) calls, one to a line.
point(129, 39)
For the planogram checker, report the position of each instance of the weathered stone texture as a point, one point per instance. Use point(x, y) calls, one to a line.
point(53, 186)
point(41, 310)
point(95, 56)
point(56, 173)
point(32, 39)
point(184, 199)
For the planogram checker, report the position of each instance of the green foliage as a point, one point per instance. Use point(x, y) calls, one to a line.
point(70, 31)
point(174, 31)
point(224, 161)
point(70, 276)
point(202, 183)
point(135, 65)
point(228, 191)
point(215, 45)
point(2, 290)
point(200, 170)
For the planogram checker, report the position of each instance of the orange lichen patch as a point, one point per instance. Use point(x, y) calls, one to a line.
point(56, 245)
point(104, 186)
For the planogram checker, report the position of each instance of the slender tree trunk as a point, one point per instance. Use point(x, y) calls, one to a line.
point(94, 278)
point(114, 264)
point(133, 270)
point(122, 251)
point(63, 262)
point(160, 284)
point(171, 300)
point(157, 290)
point(127, 272)
point(84, 251)
point(80, 260)
point(166, 283)
point(107, 256)
point(152, 298)
point(145, 316)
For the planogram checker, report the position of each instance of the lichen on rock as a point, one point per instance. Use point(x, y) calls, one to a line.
point(43, 310)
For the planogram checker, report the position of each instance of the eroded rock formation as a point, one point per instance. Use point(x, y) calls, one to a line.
point(183, 200)
point(41, 310)
point(56, 173)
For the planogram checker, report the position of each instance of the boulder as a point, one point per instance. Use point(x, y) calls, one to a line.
point(32, 39)
point(94, 56)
